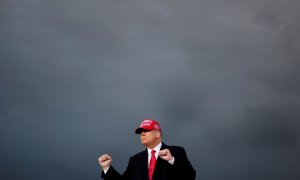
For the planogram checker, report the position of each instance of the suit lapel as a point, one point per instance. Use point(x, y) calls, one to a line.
point(159, 164)
point(144, 165)
point(163, 146)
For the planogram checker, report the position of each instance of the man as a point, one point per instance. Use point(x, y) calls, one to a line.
point(158, 162)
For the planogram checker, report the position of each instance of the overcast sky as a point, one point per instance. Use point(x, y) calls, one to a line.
point(221, 76)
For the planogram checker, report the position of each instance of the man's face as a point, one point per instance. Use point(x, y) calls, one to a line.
point(150, 138)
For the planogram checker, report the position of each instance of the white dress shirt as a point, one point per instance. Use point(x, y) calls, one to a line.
point(157, 149)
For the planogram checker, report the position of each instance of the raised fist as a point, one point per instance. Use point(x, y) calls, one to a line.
point(165, 154)
point(105, 161)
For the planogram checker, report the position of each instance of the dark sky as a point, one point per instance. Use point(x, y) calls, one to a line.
point(221, 76)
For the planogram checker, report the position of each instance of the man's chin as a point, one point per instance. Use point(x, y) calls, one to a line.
point(144, 143)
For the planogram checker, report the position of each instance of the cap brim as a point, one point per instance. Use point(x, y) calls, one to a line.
point(140, 130)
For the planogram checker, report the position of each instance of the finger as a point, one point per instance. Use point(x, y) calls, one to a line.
point(104, 158)
point(105, 155)
point(164, 150)
point(163, 153)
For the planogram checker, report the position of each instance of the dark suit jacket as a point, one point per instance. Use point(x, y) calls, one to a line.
point(137, 168)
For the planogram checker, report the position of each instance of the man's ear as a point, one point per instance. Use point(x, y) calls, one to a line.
point(158, 135)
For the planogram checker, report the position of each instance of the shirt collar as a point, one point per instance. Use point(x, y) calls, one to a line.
point(157, 148)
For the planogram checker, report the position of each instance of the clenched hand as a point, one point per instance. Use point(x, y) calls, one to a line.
point(105, 161)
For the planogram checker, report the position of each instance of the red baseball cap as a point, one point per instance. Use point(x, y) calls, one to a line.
point(148, 125)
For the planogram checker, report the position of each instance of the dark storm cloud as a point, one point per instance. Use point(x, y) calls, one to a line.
point(76, 79)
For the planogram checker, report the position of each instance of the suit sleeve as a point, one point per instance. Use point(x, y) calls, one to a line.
point(182, 166)
point(113, 174)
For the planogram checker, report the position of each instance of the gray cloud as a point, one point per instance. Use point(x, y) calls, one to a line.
point(77, 78)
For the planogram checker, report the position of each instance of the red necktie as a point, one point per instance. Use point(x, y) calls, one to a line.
point(152, 164)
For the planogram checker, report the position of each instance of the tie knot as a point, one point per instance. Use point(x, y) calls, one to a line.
point(153, 151)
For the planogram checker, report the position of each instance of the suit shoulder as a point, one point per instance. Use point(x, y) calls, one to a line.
point(139, 155)
point(179, 148)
